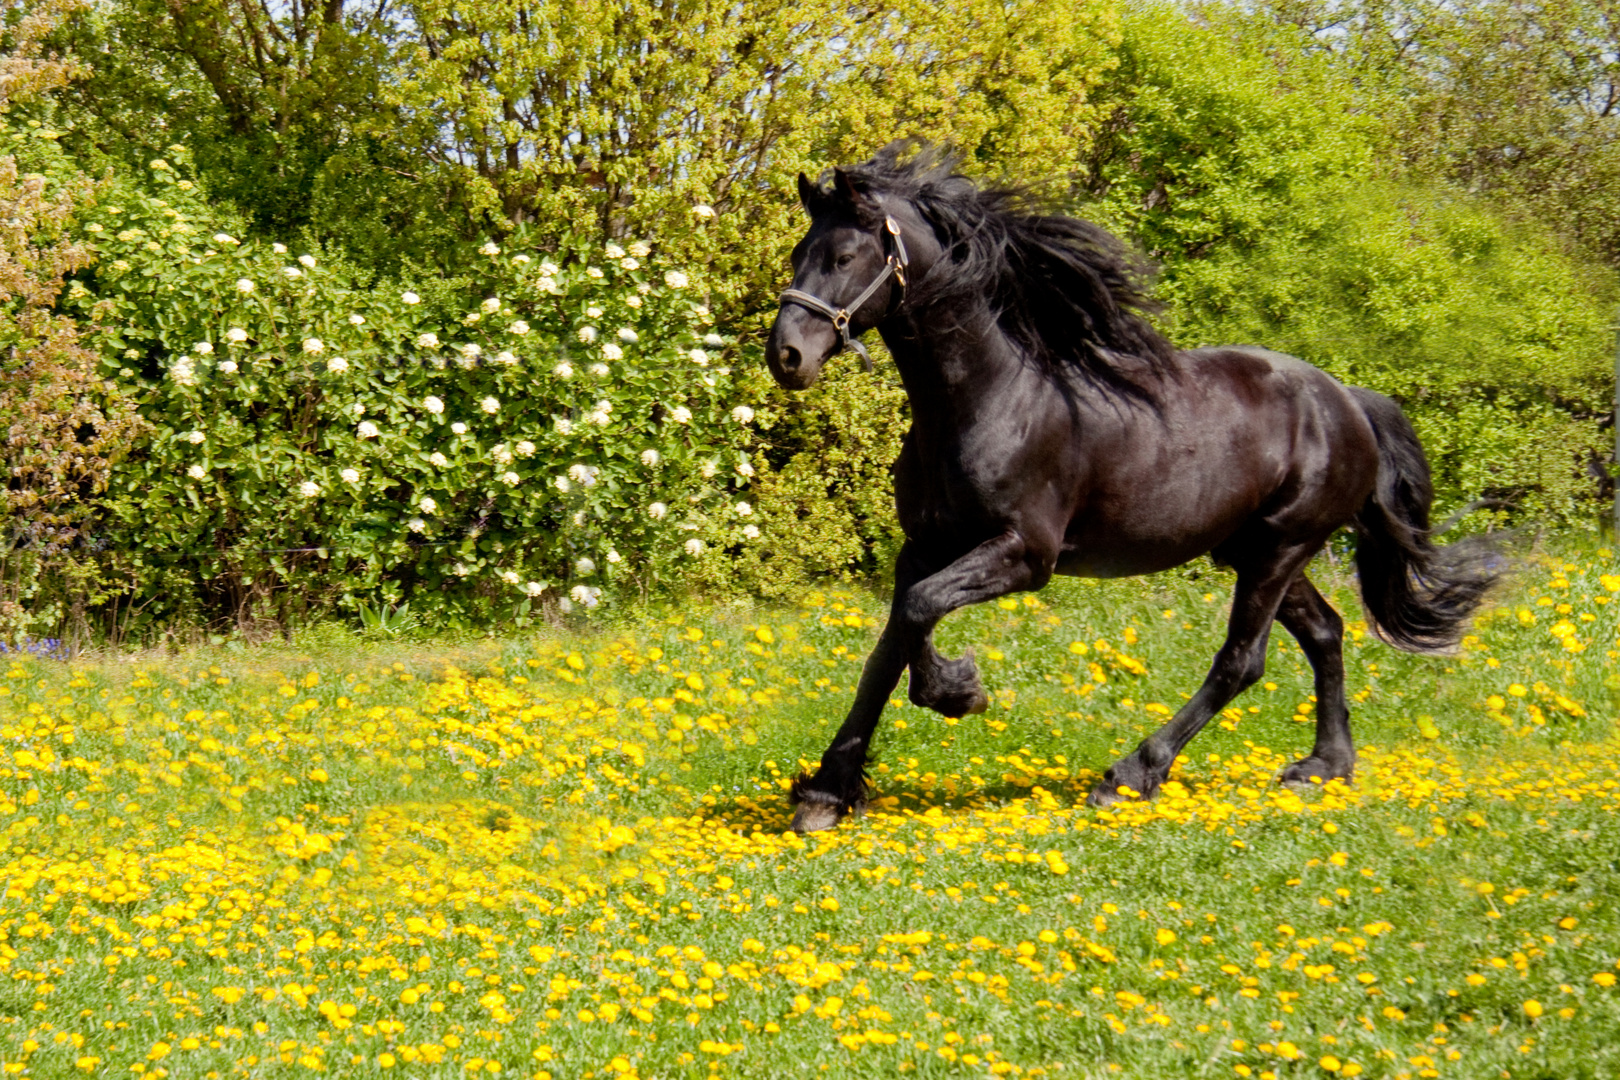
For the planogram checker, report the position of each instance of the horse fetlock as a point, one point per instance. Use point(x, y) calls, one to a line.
point(817, 809)
point(949, 687)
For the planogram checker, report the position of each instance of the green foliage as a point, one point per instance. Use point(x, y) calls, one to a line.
point(551, 417)
point(1242, 164)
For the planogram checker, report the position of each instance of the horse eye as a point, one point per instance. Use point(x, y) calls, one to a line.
point(845, 260)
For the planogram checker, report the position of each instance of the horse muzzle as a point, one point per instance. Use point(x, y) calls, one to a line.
point(795, 352)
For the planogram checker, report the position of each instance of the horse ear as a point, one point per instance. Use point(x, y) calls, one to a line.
point(845, 187)
point(809, 194)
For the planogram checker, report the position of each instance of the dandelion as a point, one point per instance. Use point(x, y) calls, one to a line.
point(657, 511)
point(681, 414)
point(490, 405)
point(410, 298)
point(584, 566)
point(307, 261)
point(350, 476)
point(196, 472)
point(366, 430)
point(433, 404)
point(337, 365)
point(245, 285)
point(649, 458)
point(1533, 1009)
point(675, 279)
point(309, 489)
point(694, 547)
point(524, 448)
point(313, 345)
point(427, 505)
point(743, 414)
point(611, 351)
point(428, 340)
point(703, 210)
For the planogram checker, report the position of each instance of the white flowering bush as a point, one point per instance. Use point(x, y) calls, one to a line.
point(540, 427)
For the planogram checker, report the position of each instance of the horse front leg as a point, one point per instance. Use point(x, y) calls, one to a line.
point(839, 784)
point(992, 569)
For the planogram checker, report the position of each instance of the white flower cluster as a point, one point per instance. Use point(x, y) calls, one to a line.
point(182, 371)
point(587, 595)
point(599, 414)
point(584, 475)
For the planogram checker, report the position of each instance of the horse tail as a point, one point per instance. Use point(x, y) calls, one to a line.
point(1417, 596)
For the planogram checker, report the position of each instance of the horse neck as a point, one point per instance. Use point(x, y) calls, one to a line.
point(950, 371)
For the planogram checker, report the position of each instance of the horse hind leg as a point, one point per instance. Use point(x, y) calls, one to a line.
point(1239, 665)
point(1320, 632)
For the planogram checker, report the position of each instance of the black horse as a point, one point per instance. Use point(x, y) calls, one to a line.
point(1055, 431)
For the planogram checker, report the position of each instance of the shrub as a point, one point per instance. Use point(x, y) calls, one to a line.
point(553, 422)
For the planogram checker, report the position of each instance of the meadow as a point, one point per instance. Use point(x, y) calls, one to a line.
point(565, 854)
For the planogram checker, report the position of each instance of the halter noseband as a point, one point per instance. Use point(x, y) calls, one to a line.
point(895, 264)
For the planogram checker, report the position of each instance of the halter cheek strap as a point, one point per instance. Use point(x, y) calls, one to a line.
point(894, 264)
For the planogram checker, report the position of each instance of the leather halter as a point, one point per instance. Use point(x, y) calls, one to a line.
point(895, 264)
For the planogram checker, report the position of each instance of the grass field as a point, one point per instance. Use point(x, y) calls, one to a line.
point(565, 855)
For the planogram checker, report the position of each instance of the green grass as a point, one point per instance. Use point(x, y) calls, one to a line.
point(565, 854)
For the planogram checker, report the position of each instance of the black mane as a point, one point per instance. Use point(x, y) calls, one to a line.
point(1041, 274)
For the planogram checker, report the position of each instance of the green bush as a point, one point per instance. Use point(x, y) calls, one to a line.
point(556, 422)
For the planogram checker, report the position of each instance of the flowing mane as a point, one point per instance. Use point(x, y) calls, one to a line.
point(1041, 274)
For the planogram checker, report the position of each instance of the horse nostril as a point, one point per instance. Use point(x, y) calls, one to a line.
point(788, 357)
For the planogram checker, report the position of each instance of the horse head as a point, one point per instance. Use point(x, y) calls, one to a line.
point(849, 271)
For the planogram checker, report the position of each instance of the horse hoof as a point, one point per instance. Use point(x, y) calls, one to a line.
point(1313, 770)
point(809, 817)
